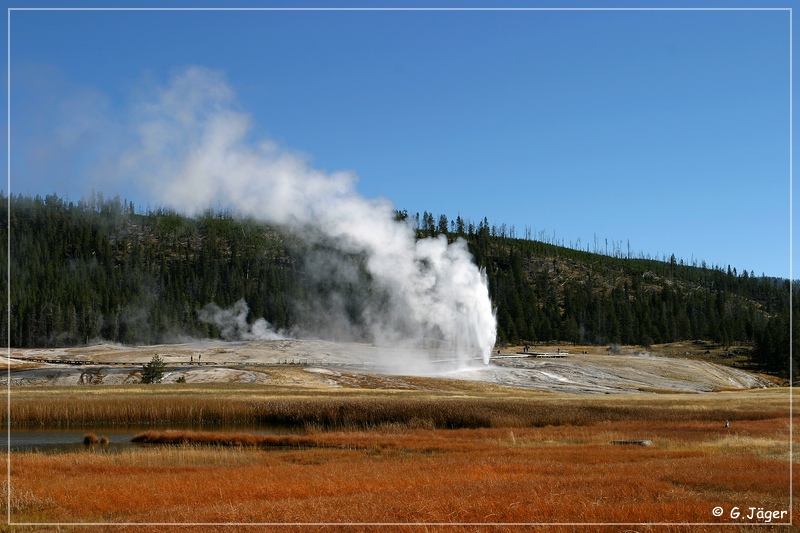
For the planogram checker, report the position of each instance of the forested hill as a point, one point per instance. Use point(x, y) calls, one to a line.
point(98, 269)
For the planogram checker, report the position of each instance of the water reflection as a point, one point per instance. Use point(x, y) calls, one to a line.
point(58, 440)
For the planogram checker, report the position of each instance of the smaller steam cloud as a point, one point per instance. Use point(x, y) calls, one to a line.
point(233, 326)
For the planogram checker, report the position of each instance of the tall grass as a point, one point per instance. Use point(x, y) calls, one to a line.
point(338, 412)
point(210, 438)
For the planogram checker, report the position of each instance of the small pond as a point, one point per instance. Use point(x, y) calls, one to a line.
point(60, 440)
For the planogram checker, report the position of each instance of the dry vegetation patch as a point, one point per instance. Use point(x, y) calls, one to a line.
point(355, 408)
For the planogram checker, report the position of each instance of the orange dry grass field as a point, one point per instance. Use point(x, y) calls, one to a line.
point(485, 479)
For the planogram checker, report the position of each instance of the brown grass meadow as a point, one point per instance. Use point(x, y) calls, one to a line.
point(455, 460)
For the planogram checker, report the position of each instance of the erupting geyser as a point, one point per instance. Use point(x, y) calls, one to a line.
point(192, 151)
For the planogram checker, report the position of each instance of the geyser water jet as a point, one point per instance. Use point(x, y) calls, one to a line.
point(192, 150)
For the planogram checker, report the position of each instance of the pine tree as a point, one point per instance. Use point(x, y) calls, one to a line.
point(153, 371)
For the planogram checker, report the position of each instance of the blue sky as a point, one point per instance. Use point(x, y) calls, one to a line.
point(664, 129)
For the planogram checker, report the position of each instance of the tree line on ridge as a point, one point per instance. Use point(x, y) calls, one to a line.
point(99, 269)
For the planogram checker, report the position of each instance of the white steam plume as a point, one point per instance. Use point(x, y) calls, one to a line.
point(192, 150)
point(232, 323)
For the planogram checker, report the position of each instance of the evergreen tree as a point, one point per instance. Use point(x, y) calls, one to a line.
point(153, 372)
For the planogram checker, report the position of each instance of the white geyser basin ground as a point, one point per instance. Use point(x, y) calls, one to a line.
point(317, 363)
